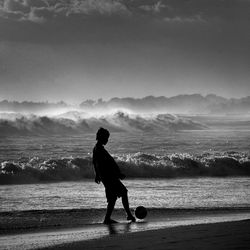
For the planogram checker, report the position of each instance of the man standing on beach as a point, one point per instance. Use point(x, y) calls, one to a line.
point(108, 172)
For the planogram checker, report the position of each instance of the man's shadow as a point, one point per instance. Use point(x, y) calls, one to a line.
point(119, 228)
point(122, 228)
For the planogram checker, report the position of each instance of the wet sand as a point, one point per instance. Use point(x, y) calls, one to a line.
point(220, 235)
point(226, 235)
point(167, 229)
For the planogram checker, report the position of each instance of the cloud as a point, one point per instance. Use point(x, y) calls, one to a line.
point(99, 21)
point(36, 3)
point(20, 9)
point(154, 7)
point(38, 15)
point(41, 10)
point(15, 6)
point(191, 19)
point(13, 9)
point(102, 7)
point(168, 10)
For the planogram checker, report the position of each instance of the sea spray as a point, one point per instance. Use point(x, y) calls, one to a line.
point(78, 123)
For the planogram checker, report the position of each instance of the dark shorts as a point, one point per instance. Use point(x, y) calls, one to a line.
point(114, 189)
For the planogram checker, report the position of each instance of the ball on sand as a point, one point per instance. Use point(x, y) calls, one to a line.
point(140, 212)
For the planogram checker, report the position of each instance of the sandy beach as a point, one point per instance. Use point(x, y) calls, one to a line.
point(227, 235)
point(205, 233)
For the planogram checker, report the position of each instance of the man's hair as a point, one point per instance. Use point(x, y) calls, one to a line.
point(102, 133)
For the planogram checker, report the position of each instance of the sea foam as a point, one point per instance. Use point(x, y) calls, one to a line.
point(79, 122)
point(138, 165)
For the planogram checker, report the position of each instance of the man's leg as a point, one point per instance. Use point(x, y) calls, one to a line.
point(126, 207)
point(110, 208)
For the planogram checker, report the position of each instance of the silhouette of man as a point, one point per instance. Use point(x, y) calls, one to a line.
point(108, 172)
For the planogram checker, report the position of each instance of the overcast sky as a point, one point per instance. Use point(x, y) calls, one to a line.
point(74, 50)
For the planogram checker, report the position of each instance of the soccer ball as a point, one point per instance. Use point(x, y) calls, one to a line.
point(140, 212)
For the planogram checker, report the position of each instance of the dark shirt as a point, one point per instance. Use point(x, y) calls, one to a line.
point(104, 164)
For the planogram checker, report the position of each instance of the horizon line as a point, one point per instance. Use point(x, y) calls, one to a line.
point(126, 97)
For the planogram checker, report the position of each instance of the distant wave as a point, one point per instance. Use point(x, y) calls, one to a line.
point(137, 165)
point(77, 122)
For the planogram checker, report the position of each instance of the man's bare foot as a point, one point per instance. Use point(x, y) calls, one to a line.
point(132, 218)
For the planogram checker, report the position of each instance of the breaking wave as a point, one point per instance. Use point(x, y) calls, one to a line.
point(138, 165)
point(77, 122)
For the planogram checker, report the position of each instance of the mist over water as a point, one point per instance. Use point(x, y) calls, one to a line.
point(75, 122)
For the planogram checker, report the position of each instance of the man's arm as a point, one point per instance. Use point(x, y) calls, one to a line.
point(97, 173)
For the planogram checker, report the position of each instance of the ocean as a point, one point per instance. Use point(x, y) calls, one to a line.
point(184, 170)
point(176, 193)
point(172, 169)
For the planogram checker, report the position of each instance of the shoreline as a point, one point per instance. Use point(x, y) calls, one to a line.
point(185, 231)
point(221, 235)
point(29, 221)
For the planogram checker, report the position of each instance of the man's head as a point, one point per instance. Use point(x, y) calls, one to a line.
point(102, 136)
